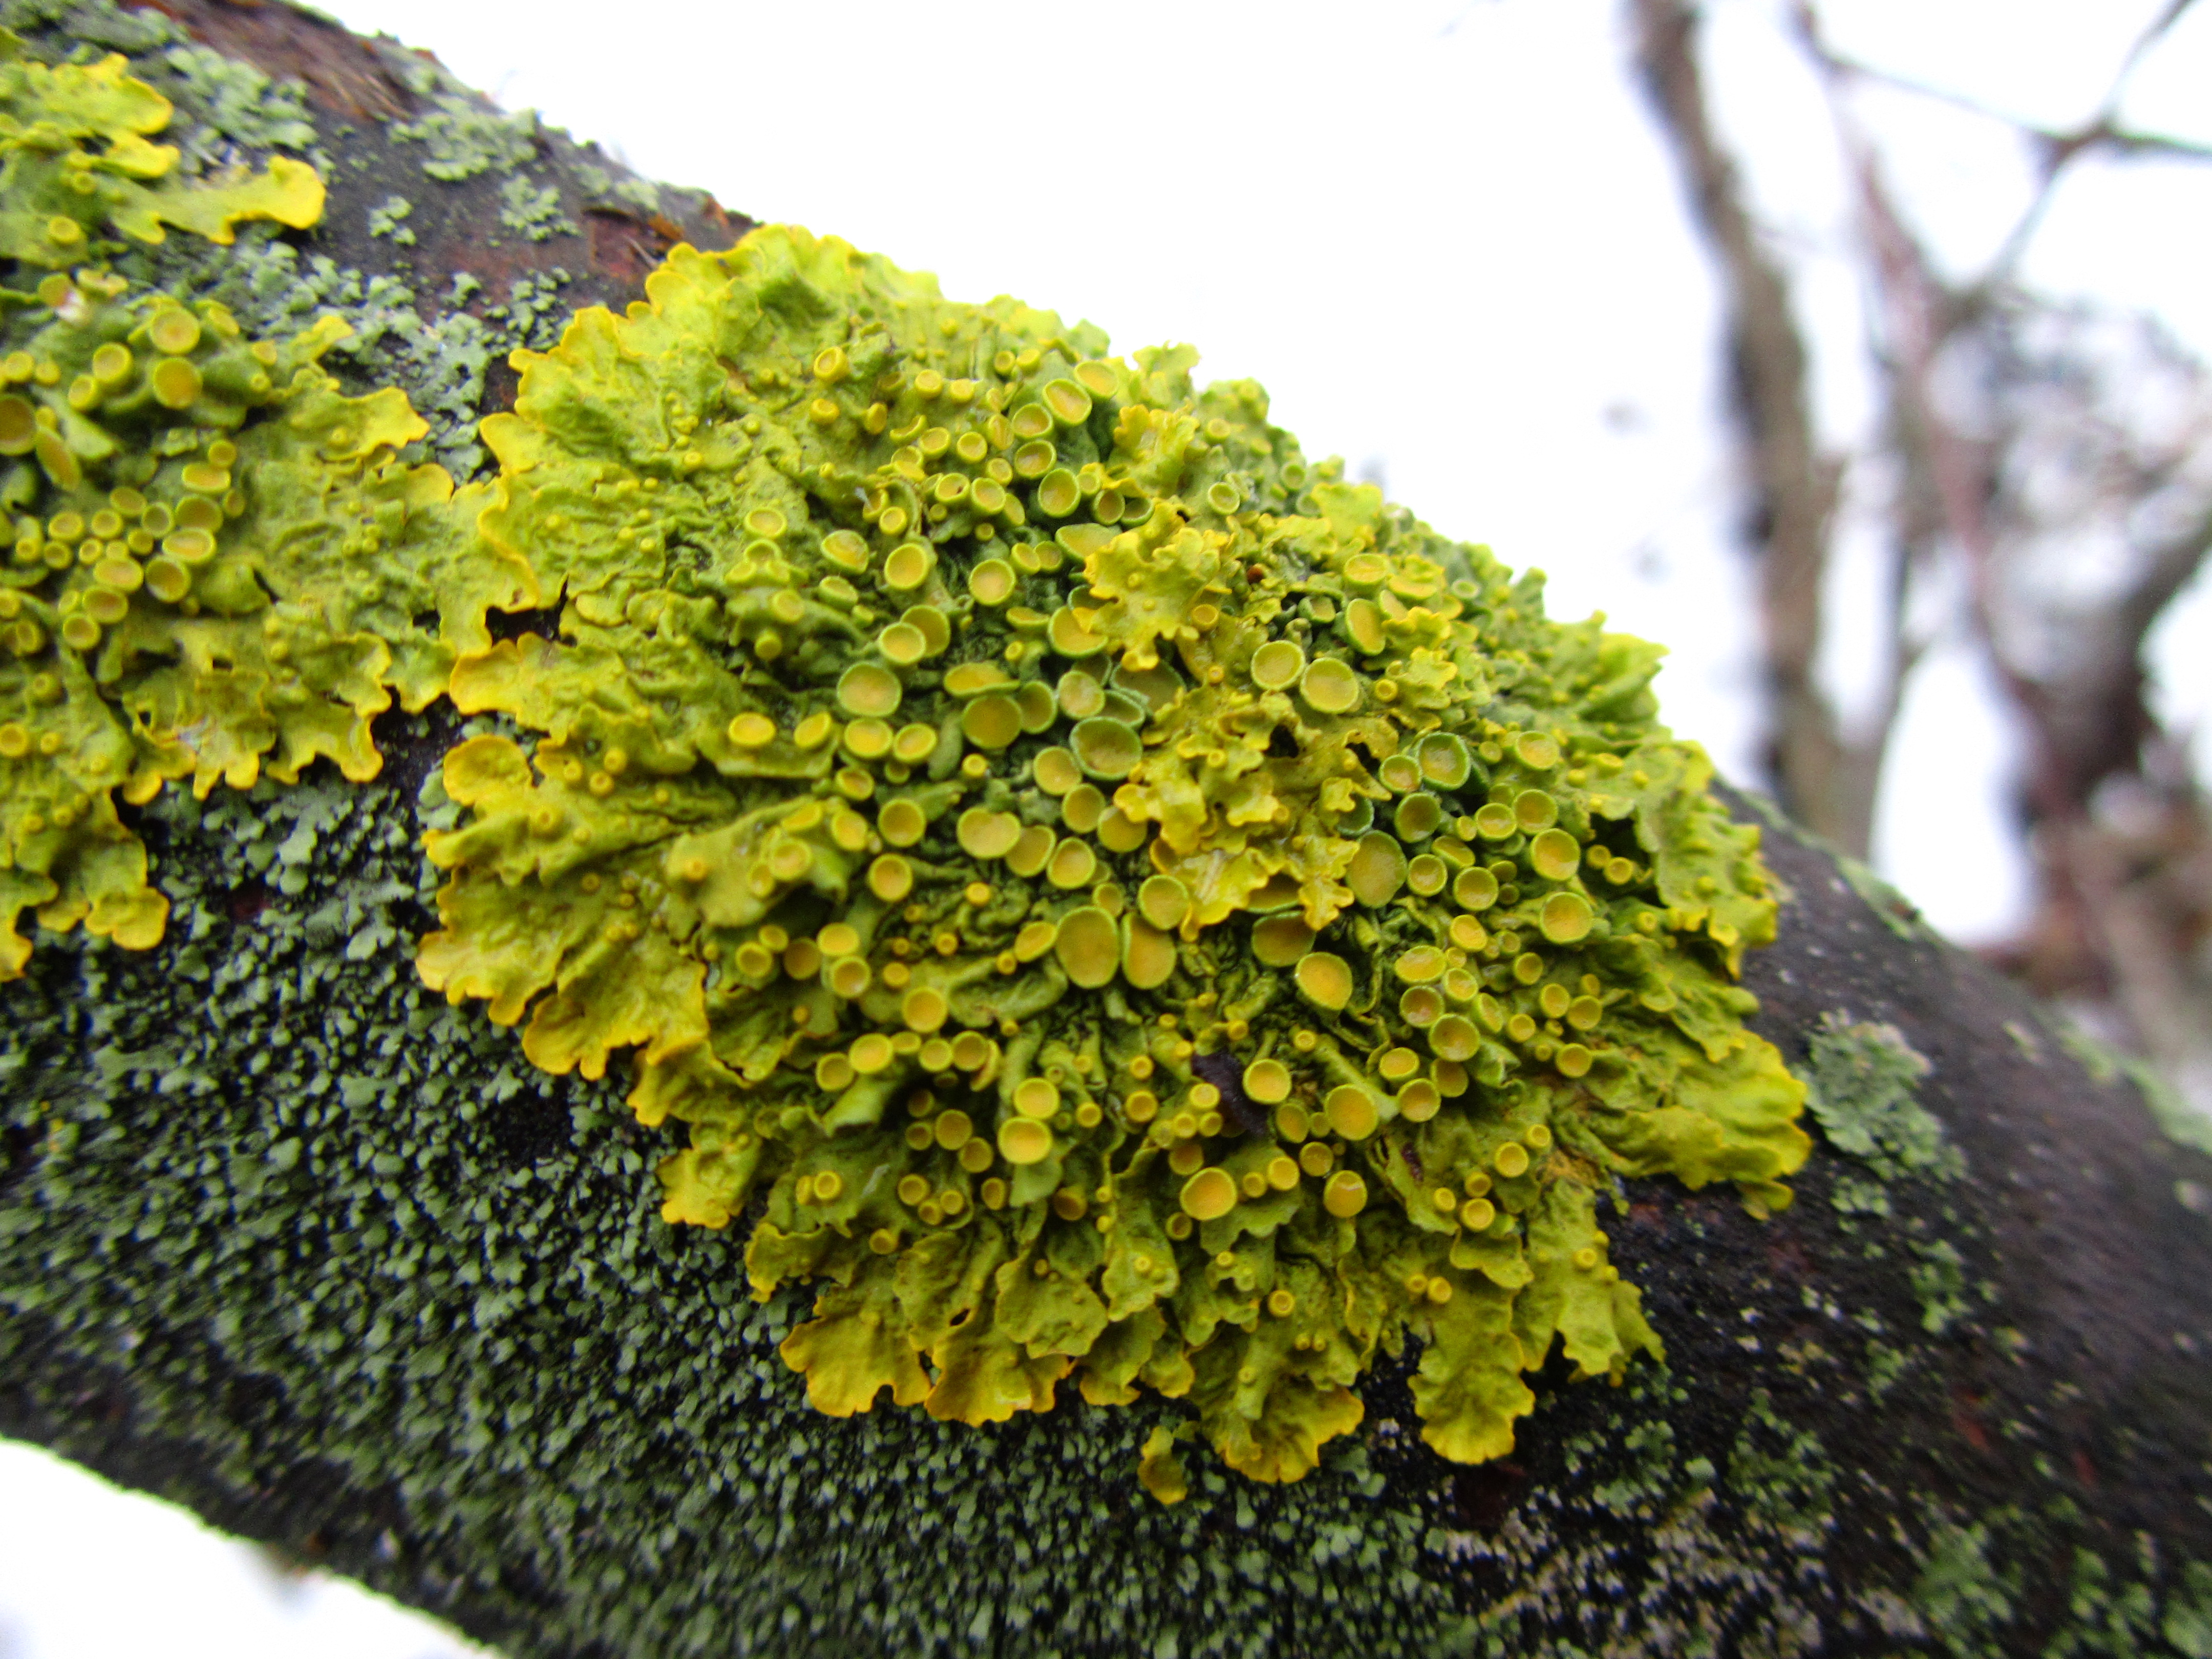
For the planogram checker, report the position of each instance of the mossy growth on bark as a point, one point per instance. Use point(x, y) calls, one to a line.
point(312, 1212)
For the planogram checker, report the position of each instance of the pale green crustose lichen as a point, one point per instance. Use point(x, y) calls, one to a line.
point(1864, 1092)
point(1121, 898)
point(389, 217)
point(238, 103)
point(533, 209)
point(462, 138)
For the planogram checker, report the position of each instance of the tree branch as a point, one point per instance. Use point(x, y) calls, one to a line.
point(2055, 147)
point(1794, 485)
point(286, 1237)
point(2111, 917)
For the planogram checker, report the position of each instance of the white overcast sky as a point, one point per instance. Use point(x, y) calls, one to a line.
point(1445, 235)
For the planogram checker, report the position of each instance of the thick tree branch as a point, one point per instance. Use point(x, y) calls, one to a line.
point(287, 1238)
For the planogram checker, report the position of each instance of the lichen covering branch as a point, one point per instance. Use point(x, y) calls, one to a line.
point(218, 564)
point(1109, 899)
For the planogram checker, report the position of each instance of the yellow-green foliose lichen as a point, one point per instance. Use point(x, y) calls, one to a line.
point(1119, 901)
point(214, 562)
point(78, 167)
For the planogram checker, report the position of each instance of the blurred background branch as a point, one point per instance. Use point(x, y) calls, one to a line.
point(2042, 468)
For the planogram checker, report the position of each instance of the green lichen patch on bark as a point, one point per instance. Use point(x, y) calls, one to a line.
point(1863, 1076)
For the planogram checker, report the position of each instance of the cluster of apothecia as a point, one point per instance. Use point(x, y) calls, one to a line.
point(1107, 897)
point(197, 588)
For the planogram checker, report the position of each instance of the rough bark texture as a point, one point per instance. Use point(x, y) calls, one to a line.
point(286, 1238)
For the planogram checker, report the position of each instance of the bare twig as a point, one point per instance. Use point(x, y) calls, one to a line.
point(2161, 27)
point(2056, 144)
point(2055, 147)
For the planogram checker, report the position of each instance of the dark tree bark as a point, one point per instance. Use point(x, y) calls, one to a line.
point(287, 1239)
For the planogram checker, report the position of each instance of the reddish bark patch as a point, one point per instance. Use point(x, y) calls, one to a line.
point(1965, 1408)
point(343, 73)
point(627, 246)
point(1788, 1258)
point(248, 901)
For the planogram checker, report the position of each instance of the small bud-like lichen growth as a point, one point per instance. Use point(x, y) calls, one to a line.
point(1119, 901)
point(533, 209)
